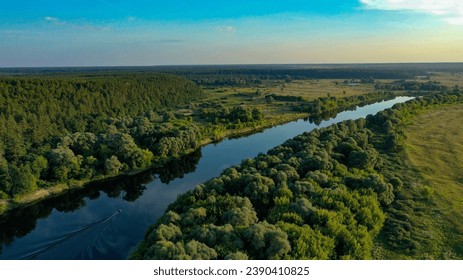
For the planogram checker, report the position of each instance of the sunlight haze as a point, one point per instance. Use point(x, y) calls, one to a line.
point(125, 33)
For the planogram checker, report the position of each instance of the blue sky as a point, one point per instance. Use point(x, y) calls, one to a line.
point(113, 33)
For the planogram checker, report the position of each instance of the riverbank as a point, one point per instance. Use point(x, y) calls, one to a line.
point(40, 194)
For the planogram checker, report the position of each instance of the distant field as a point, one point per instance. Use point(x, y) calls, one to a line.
point(448, 79)
point(309, 89)
point(312, 89)
point(435, 152)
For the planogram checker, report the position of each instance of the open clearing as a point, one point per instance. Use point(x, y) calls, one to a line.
point(435, 152)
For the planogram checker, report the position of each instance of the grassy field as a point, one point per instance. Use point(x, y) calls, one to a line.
point(312, 89)
point(434, 152)
point(309, 89)
point(448, 79)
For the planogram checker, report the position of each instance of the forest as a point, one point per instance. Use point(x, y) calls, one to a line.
point(58, 128)
point(334, 193)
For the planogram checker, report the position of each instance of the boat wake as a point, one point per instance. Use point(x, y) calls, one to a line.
point(37, 253)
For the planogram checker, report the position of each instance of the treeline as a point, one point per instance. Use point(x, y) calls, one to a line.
point(320, 195)
point(412, 86)
point(57, 128)
point(236, 115)
point(326, 105)
point(369, 80)
point(283, 98)
point(223, 76)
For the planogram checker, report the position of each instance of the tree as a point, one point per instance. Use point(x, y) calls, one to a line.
point(237, 256)
point(242, 217)
point(165, 250)
point(39, 165)
point(5, 179)
point(169, 232)
point(169, 116)
point(224, 239)
point(112, 165)
point(257, 114)
point(307, 243)
point(265, 241)
point(269, 99)
point(362, 159)
point(22, 180)
point(199, 251)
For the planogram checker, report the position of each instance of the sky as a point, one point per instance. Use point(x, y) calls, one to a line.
point(51, 33)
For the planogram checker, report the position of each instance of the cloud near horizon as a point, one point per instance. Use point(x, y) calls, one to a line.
point(82, 24)
point(229, 29)
point(451, 11)
point(53, 20)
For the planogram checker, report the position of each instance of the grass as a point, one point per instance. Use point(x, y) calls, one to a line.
point(313, 89)
point(308, 89)
point(434, 153)
point(448, 79)
point(279, 112)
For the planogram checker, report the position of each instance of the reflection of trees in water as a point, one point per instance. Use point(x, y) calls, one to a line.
point(178, 168)
point(22, 221)
point(327, 115)
point(125, 186)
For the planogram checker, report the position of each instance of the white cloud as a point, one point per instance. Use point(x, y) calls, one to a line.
point(451, 11)
point(131, 19)
point(455, 20)
point(81, 24)
point(53, 20)
point(229, 29)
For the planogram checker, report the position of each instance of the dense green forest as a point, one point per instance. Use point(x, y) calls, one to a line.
point(333, 193)
point(61, 127)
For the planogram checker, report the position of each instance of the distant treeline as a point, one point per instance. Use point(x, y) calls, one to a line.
point(240, 75)
point(321, 195)
point(332, 104)
point(231, 77)
point(411, 85)
point(412, 67)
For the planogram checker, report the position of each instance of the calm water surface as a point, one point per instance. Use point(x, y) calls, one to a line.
point(107, 220)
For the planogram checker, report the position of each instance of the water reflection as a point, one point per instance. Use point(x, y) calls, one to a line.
point(178, 168)
point(22, 221)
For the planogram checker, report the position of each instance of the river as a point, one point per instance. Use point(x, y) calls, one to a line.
point(106, 220)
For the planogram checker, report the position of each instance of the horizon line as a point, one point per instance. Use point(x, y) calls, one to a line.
point(231, 64)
